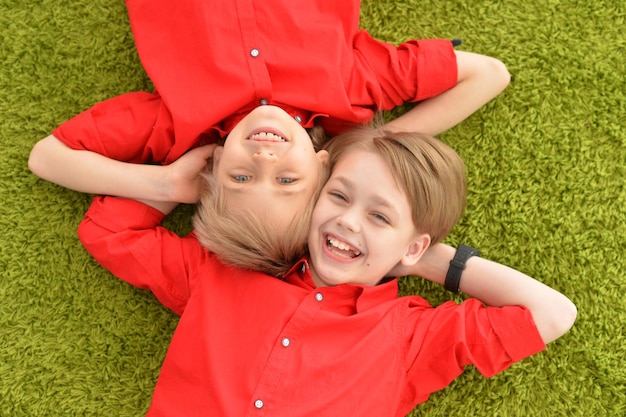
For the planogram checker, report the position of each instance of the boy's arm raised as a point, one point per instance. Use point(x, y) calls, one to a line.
point(480, 79)
point(498, 285)
point(125, 237)
point(90, 172)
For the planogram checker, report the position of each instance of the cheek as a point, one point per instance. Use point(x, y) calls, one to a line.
point(306, 152)
point(315, 218)
point(323, 209)
point(382, 245)
point(219, 175)
point(318, 220)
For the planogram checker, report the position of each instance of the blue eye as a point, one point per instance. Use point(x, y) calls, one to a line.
point(241, 178)
point(286, 180)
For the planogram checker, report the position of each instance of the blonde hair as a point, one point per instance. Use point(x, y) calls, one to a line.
point(430, 172)
point(241, 238)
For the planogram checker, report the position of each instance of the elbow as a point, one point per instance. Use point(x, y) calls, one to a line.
point(563, 318)
point(568, 316)
point(42, 157)
point(498, 74)
point(488, 75)
point(47, 158)
point(36, 160)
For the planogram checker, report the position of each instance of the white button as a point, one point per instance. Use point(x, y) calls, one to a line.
point(254, 52)
point(264, 102)
point(319, 296)
point(285, 342)
point(258, 404)
point(298, 118)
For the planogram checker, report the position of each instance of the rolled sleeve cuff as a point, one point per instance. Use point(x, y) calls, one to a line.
point(521, 340)
point(119, 214)
point(437, 68)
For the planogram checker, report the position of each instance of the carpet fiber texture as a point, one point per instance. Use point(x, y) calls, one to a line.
point(546, 164)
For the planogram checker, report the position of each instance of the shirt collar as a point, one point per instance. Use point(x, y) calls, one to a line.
point(362, 297)
point(300, 274)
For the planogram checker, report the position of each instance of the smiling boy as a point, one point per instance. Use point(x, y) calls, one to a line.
point(273, 169)
point(269, 164)
point(361, 221)
point(379, 203)
point(318, 340)
point(214, 63)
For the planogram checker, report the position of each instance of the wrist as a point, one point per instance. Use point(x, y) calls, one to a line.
point(457, 266)
point(166, 183)
point(434, 263)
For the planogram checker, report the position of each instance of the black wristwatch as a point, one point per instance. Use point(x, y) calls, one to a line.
point(457, 265)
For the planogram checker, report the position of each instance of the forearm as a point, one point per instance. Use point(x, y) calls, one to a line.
point(480, 78)
point(89, 172)
point(165, 207)
point(498, 285)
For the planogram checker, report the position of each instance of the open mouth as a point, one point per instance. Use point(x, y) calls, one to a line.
point(341, 249)
point(267, 135)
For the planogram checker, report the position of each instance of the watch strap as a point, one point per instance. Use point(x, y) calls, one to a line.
point(457, 265)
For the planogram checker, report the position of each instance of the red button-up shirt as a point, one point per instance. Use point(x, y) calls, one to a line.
point(213, 61)
point(252, 345)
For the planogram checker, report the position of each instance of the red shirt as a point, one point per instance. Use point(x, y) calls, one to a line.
point(252, 345)
point(214, 61)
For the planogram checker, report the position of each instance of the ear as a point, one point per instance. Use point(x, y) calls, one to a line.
point(322, 157)
point(217, 155)
point(416, 249)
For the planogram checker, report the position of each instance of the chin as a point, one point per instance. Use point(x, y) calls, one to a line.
point(329, 278)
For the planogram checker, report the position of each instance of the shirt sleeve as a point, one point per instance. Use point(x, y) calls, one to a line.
point(124, 236)
point(392, 75)
point(133, 127)
point(449, 337)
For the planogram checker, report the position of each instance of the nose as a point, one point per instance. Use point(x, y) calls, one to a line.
point(265, 162)
point(265, 154)
point(349, 220)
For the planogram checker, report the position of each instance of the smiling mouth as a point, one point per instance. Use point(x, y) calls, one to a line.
point(266, 135)
point(341, 248)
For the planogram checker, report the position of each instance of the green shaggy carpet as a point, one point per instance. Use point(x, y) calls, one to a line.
point(546, 163)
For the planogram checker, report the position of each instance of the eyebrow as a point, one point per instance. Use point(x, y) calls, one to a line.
point(283, 190)
point(378, 200)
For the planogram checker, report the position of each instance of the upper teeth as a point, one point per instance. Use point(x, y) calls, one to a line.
point(268, 136)
point(341, 245)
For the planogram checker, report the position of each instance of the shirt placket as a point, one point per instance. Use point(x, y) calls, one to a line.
point(278, 364)
point(255, 51)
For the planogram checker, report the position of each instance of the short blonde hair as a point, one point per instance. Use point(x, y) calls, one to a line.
point(430, 172)
point(240, 238)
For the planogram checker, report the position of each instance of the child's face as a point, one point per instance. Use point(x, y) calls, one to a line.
point(362, 225)
point(268, 165)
